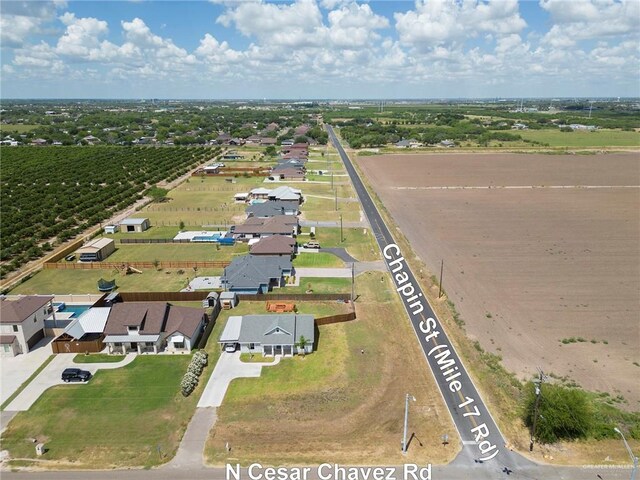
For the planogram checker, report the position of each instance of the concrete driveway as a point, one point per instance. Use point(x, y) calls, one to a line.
point(50, 376)
point(14, 371)
point(228, 367)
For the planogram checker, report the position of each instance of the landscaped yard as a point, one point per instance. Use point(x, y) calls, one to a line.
point(97, 358)
point(131, 416)
point(176, 251)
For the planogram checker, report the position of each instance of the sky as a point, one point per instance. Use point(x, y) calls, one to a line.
point(319, 49)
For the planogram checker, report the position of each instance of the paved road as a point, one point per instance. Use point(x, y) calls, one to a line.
point(442, 472)
point(481, 438)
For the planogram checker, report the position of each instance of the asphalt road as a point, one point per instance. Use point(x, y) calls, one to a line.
point(482, 441)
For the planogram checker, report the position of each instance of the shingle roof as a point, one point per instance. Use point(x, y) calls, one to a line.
point(17, 311)
point(273, 245)
point(278, 225)
point(185, 320)
point(283, 329)
point(250, 272)
point(270, 208)
point(153, 318)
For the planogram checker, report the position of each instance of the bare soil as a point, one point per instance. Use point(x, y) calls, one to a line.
point(528, 267)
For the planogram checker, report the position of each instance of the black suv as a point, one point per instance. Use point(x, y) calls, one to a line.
point(75, 375)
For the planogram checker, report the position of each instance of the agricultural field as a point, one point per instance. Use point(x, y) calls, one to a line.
point(57, 192)
point(598, 138)
point(543, 248)
point(305, 407)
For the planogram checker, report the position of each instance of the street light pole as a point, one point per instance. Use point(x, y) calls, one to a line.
point(406, 421)
point(634, 459)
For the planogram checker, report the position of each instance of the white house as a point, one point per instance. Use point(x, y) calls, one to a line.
point(22, 322)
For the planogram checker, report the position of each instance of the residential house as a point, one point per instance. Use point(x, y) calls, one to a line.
point(296, 155)
point(271, 208)
point(410, 143)
point(39, 142)
point(256, 227)
point(151, 326)
point(447, 143)
point(272, 127)
point(286, 194)
point(287, 143)
point(254, 139)
point(268, 141)
point(280, 245)
point(22, 322)
point(287, 173)
point(256, 273)
point(268, 335)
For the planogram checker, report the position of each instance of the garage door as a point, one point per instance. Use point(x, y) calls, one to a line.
point(39, 335)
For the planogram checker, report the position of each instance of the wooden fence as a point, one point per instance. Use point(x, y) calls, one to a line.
point(139, 265)
point(295, 296)
point(157, 240)
point(344, 317)
point(163, 296)
point(72, 247)
point(212, 322)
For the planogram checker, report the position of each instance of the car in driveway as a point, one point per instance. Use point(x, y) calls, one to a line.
point(75, 375)
point(230, 347)
point(311, 244)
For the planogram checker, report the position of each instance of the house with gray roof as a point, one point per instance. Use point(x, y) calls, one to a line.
point(271, 208)
point(22, 322)
point(256, 273)
point(281, 334)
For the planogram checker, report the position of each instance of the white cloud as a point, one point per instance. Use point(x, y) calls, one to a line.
point(21, 19)
point(437, 22)
point(590, 19)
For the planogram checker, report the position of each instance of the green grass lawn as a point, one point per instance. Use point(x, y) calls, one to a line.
point(97, 358)
point(175, 251)
point(85, 281)
point(599, 138)
point(320, 259)
point(121, 418)
point(359, 242)
point(324, 209)
point(18, 128)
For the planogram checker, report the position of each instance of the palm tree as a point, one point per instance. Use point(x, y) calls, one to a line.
point(302, 343)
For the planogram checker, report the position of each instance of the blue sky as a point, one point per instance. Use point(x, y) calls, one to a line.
point(223, 49)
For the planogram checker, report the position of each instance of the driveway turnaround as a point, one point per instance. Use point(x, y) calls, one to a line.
point(229, 366)
point(50, 376)
point(14, 371)
point(341, 253)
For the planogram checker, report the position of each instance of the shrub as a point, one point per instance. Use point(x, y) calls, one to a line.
point(194, 370)
point(564, 413)
point(189, 383)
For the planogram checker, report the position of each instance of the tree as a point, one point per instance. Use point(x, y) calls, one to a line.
point(270, 151)
point(563, 413)
point(181, 227)
point(158, 194)
point(302, 343)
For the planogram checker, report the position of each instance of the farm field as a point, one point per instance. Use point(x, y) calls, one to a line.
point(304, 409)
point(530, 267)
point(598, 138)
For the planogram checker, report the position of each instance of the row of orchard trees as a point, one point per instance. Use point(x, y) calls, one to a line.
point(57, 192)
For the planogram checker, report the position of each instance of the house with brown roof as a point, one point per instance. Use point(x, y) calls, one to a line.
point(274, 245)
point(256, 227)
point(22, 322)
point(287, 173)
point(148, 327)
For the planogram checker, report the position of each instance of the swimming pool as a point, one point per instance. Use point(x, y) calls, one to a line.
point(75, 309)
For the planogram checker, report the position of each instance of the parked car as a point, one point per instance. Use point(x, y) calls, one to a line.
point(75, 375)
point(230, 347)
point(311, 244)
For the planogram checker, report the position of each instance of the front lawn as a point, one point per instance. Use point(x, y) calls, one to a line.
point(321, 259)
point(359, 242)
point(131, 416)
point(319, 285)
point(97, 358)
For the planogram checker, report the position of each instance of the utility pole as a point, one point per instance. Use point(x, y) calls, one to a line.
point(335, 195)
point(341, 236)
point(440, 285)
point(634, 459)
point(353, 281)
point(406, 421)
point(538, 386)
